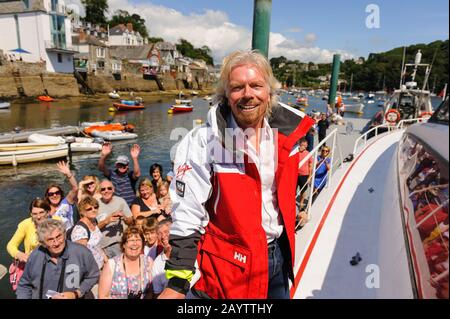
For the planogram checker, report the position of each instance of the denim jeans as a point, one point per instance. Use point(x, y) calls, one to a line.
point(278, 273)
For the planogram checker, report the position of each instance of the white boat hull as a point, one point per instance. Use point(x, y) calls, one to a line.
point(114, 135)
point(4, 105)
point(33, 155)
point(81, 144)
point(354, 108)
point(25, 146)
point(114, 95)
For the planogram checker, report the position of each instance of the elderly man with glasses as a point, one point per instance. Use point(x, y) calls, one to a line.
point(112, 212)
point(123, 179)
point(58, 269)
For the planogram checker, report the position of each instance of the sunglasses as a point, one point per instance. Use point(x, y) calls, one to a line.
point(90, 184)
point(50, 194)
point(122, 165)
point(106, 188)
point(325, 151)
point(91, 208)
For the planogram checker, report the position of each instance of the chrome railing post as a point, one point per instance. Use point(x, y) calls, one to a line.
point(330, 172)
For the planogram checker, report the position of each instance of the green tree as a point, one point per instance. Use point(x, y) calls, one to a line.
point(124, 17)
point(155, 40)
point(187, 49)
point(95, 11)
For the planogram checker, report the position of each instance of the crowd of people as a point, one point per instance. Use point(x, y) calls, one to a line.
point(102, 239)
point(305, 170)
point(109, 236)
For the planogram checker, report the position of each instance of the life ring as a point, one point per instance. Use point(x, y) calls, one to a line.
point(425, 115)
point(392, 116)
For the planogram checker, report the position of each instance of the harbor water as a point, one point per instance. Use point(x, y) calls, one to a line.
point(19, 185)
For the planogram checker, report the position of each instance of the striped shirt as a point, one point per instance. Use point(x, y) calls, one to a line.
point(124, 185)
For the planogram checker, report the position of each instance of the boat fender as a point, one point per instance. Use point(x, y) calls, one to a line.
point(392, 116)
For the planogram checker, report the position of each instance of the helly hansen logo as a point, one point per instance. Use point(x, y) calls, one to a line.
point(240, 257)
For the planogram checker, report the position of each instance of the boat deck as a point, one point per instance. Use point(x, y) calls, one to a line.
point(345, 220)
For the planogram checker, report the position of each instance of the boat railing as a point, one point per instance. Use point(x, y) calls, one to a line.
point(402, 123)
point(375, 131)
point(391, 128)
point(311, 192)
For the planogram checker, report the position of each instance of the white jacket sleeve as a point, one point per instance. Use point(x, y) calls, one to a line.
point(191, 186)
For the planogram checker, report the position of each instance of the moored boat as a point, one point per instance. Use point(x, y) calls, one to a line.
point(33, 155)
point(79, 144)
point(114, 135)
point(354, 108)
point(181, 108)
point(10, 147)
point(45, 98)
point(114, 95)
point(109, 127)
point(128, 107)
point(4, 105)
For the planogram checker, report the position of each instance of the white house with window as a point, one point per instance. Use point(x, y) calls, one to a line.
point(37, 31)
point(94, 56)
point(125, 35)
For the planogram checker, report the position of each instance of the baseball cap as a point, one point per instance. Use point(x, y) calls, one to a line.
point(122, 159)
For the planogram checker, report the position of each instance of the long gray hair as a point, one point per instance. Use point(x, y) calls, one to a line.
point(48, 226)
point(254, 58)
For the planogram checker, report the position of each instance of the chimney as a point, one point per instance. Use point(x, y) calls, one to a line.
point(130, 27)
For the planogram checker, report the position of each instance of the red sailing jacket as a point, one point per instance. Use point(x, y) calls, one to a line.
point(232, 252)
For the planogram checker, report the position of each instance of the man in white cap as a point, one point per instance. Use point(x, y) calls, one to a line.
point(123, 179)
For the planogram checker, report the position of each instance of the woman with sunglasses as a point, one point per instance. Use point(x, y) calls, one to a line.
point(26, 230)
point(322, 168)
point(89, 186)
point(128, 275)
point(59, 205)
point(146, 202)
point(86, 231)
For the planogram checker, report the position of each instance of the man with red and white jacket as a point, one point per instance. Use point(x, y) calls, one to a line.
point(234, 190)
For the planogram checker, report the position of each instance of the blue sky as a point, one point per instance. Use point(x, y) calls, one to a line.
point(329, 25)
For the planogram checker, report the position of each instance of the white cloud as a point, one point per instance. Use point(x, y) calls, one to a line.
point(310, 38)
point(214, 29)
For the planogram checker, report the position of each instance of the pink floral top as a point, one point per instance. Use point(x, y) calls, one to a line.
point(122, 285)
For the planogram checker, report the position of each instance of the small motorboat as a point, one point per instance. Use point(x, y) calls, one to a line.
point(114, 95)
point(4, 105)
point(45, 98)
point(182, 107)
point(354, 108)
point(128, 106)
point(35, 154)
point(114, 135)
point(79, 144)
